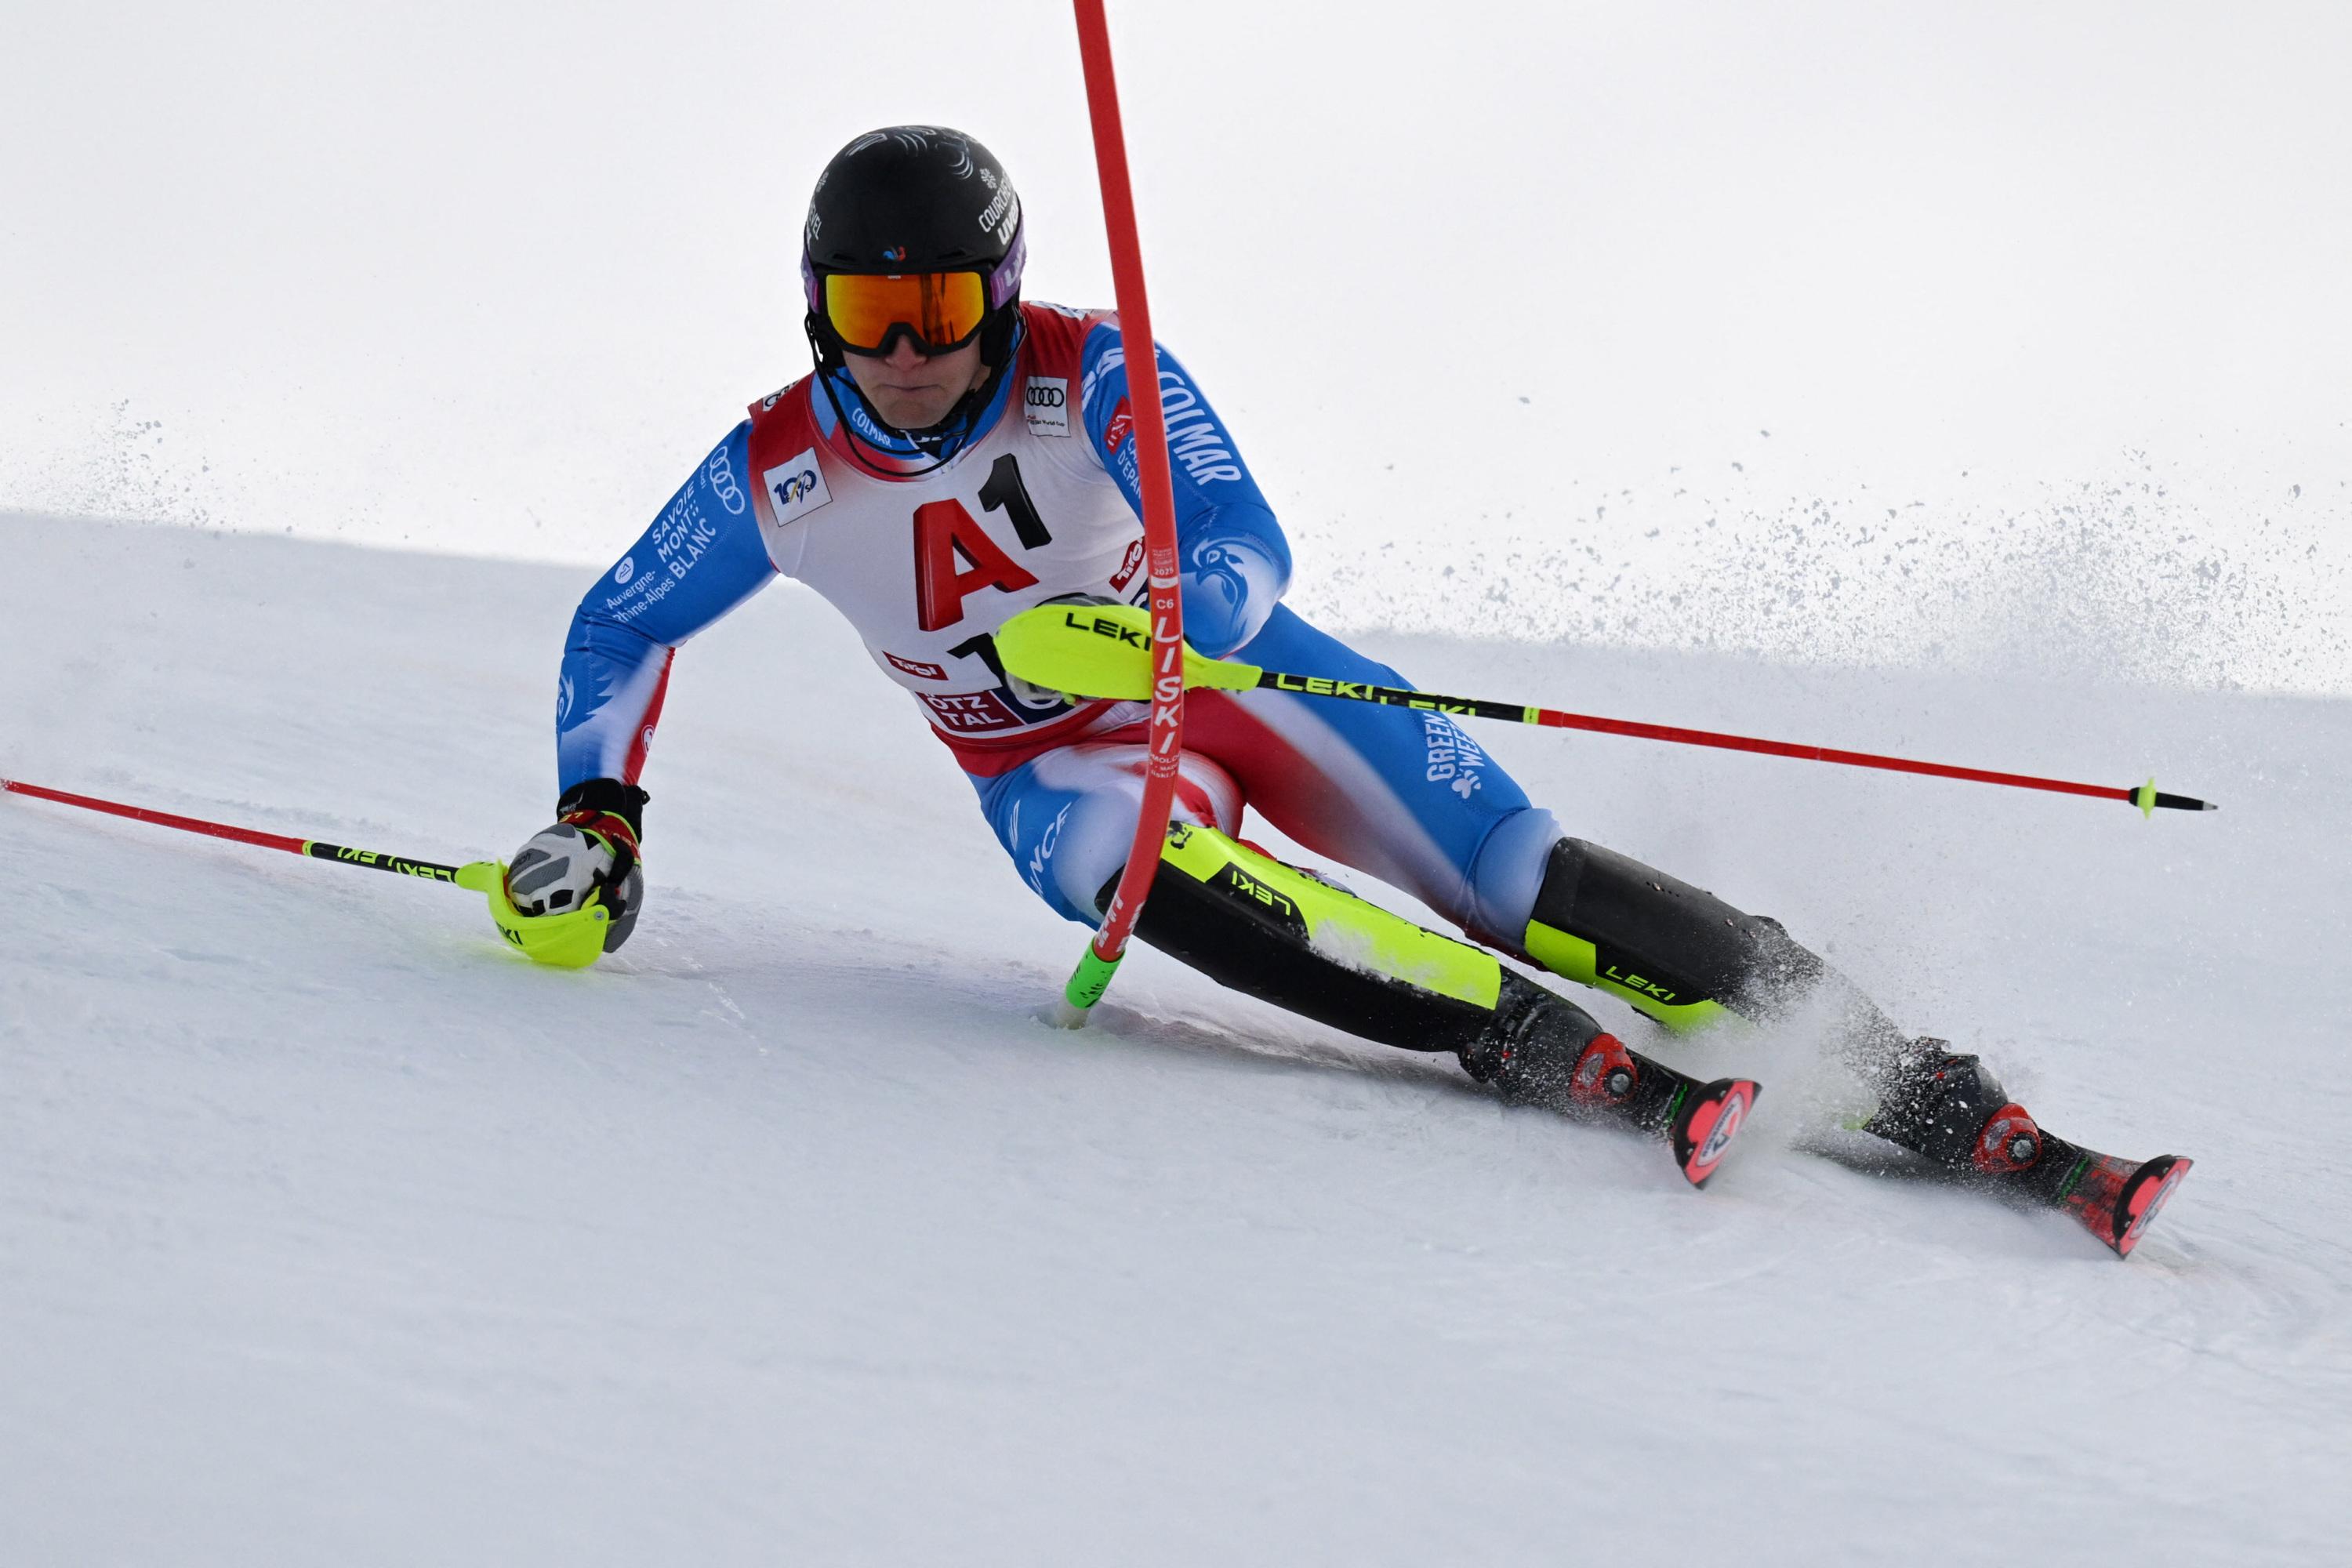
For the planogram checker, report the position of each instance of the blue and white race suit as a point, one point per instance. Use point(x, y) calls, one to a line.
point(929, 552)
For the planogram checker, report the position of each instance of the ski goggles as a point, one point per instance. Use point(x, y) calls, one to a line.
point(941, 311)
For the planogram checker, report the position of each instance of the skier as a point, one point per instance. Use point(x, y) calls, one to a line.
point(959, 455)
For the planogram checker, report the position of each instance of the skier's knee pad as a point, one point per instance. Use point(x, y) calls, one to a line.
point(1247, 921)
point(1676, 952)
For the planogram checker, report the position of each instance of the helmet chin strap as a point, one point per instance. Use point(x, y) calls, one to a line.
point(996, 348)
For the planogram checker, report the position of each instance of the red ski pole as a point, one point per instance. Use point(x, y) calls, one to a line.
point(318, 850)
point(570, 940)
point(1098, 652)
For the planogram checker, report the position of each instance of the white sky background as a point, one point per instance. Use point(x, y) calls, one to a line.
point(1505, 289)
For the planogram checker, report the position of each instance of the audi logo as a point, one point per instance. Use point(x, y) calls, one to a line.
point(1046, 396)
point(721, 476)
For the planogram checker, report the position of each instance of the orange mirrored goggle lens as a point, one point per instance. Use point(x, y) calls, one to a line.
point(943, 310)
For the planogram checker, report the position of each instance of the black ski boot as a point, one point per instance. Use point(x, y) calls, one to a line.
point(1949, 1107)
point(1541, 1050)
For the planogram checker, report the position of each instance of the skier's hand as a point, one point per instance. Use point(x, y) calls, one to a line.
point(588, 855)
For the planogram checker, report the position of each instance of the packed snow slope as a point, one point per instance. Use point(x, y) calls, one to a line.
point(332, 1231)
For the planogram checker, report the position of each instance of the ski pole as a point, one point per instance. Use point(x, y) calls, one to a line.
point(1093, 651)
point(571, 939)
point(401, 864)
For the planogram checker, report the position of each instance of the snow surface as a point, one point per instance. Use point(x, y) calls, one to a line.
point(330, 1231)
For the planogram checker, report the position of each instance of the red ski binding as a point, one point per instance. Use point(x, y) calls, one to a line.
point(1707, 1121)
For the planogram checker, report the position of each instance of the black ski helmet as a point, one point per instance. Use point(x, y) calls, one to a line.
point(915, 198)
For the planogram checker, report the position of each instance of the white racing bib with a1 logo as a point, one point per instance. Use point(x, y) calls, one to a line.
point(926, 566)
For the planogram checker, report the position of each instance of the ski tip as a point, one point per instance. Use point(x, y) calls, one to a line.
point(1704, 1132)
point(2143, 1193)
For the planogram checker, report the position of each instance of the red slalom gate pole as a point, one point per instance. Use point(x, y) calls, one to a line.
point(1093, 974)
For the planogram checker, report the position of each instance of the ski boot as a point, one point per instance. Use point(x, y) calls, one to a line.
point(1543, 1051)
point(1949, 1108)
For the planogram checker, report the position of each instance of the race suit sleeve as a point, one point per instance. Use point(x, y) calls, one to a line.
point(703, 556)
point(1233, 561)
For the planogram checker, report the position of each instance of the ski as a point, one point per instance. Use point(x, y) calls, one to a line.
point(2114, 1200)
point(1699, 1119)
point(1708, 1117)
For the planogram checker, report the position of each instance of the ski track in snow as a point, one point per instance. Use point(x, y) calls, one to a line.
point(331, 1232)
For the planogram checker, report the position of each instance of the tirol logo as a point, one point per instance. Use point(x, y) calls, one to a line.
point(720, 473)
point(1127, 568)
point(796, 488)
point(1726, 1124)
point(1046, 402)
point(625, 570)
point(1122, 421)
point(915, 666)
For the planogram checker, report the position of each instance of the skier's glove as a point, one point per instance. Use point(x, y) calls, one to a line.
point(590, 854)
